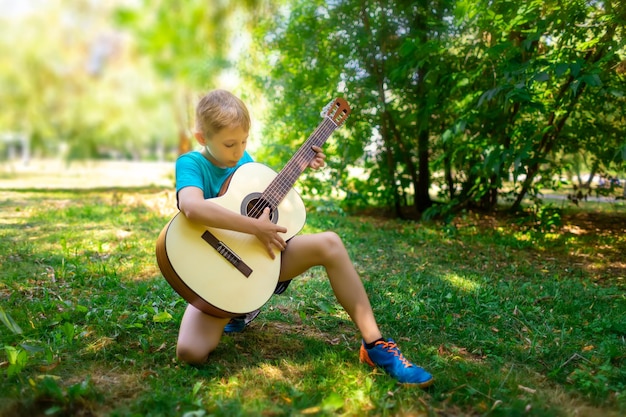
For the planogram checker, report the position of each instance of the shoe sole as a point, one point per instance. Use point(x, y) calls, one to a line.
point(421, 385)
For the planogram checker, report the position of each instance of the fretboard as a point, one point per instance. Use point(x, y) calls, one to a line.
point(286, 178)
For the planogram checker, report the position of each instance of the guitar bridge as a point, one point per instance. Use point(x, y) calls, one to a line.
point(227, 253)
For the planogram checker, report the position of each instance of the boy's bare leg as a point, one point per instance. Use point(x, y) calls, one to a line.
point(199, 335)
point(327, 250)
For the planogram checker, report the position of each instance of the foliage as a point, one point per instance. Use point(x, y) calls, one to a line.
point(510, 317)
point(543, 75)
point(75, 86)
point(480, 93)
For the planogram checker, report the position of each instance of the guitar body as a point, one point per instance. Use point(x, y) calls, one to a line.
point(203, 276)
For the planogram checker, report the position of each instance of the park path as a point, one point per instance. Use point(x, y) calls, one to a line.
point(56, 174)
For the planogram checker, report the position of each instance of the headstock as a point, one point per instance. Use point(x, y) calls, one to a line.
point(337, 110)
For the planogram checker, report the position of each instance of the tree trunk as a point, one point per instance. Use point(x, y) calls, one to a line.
point(422, 188)
point(408, 160)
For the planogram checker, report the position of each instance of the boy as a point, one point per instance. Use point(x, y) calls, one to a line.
point(222, 126)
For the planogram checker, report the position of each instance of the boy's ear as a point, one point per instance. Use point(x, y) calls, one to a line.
point(200, 138)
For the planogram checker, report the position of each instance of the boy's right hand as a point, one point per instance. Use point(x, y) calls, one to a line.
point(268, 233)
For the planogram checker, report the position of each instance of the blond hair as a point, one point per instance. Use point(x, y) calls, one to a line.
point(219, 109)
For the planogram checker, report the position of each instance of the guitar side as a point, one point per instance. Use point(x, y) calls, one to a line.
point(204, 272)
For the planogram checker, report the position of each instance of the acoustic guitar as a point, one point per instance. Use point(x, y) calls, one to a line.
point(226, 273)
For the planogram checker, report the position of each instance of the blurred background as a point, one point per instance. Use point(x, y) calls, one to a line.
point(87, 81)
point(466, 102)
point(92, 79)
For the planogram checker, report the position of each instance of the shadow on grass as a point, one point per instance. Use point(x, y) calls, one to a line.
point(504, 318)
point(269, 368)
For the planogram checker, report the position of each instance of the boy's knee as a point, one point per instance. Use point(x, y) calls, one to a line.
point(332, 243)
point(191, 356)
point(333, 238)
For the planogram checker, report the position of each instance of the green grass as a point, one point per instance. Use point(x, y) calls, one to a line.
point(511, 318)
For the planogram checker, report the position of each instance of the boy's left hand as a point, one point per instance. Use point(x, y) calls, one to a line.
point(318, 161)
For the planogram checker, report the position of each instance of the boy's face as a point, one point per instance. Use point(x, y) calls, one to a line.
point(225, 148)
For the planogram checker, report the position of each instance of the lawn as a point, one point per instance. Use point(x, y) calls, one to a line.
point(513, 317)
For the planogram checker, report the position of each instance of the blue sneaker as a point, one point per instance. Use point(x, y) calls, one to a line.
point(235, 325)
point(387, 356)
point(239, 323)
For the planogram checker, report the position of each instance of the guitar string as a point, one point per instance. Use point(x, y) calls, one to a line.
point(271, 195)
point(283, 183)
point(299, 160)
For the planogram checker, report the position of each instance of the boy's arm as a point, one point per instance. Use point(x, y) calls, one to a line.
point(198, 210)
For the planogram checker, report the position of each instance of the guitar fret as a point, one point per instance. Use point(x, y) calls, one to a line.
point(287, 177)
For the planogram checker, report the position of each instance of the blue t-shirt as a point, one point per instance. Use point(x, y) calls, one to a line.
point(194, 170)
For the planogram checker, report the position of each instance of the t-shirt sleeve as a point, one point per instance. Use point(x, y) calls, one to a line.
point(188, 173)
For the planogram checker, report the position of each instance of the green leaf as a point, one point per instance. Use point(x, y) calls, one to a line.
point(561, 69)
point(333, 402)
point(162, 317)
point(592, 80)
point(17, 360)
point(9, 322)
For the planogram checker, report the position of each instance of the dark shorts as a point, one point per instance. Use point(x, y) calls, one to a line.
point(281, 287)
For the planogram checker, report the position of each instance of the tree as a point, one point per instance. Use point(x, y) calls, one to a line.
point(541, 67)
point(383, 57)
point(484, 92)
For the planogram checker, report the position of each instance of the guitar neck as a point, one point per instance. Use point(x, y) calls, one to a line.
point(286, 178)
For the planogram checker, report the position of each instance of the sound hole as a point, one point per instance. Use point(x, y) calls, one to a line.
point(254, 204)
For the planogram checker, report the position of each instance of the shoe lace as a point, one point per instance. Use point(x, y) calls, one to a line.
point(392, 348)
